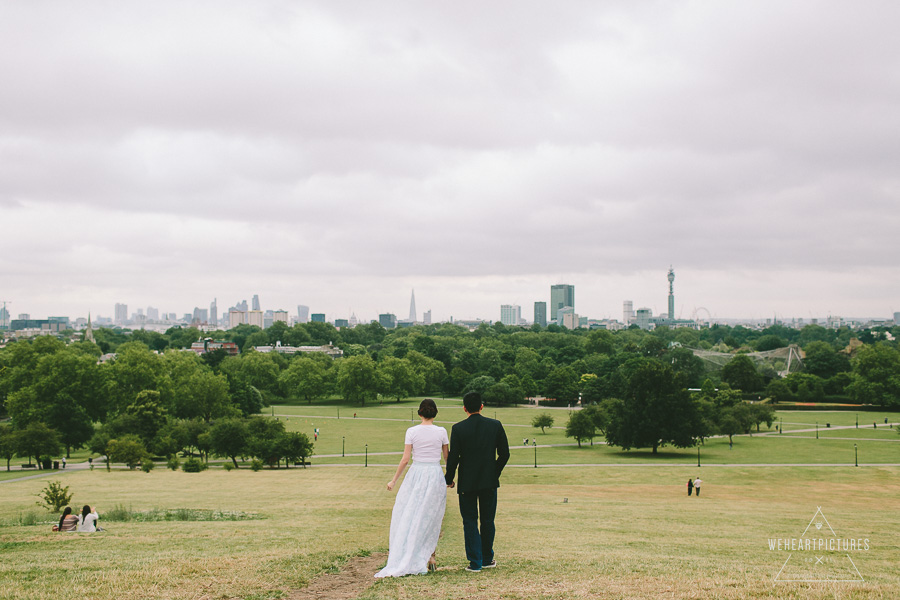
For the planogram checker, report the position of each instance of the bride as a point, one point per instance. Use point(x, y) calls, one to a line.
point(421, 500)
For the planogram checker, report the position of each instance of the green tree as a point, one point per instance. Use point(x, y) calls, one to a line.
point(562, 385)
point(581, 427)
point(148, 415)
point(876, 375)
point(134, 370)
point(305, 378)
point(37, 440)
point(8, 443)
point(295, 447)
point(779, 391)
point(740, 372)
point(543, 420)
point(655, 410)
point(398, 379)
point(824, 361)
point(357, 379)
point(432, 371)
point(229, 438)
point(205, 395)
point(480, 384)
point(128, 449)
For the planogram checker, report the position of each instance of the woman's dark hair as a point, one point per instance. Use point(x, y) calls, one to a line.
point(65, 514)
point(85, 511)
point(428, 409)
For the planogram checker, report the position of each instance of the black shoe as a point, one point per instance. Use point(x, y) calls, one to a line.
point(490, 565)
point(473, 569)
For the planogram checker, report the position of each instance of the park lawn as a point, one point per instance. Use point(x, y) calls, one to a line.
point(796, 419)
point(562, 534)
point(882, 433)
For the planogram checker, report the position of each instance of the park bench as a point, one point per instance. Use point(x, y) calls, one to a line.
point(29, 466)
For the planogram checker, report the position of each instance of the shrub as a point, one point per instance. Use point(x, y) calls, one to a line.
point(228, 466)
point(173, 463)
point(54, 496)
point(147, 465)
point(193, 465)
point(256, 464)
point(118, 513)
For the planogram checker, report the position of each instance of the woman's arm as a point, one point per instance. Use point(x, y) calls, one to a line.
point(407, 453)
point(445, 450)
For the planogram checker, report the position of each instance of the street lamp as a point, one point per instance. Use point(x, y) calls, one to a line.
point(817, 430)
point(781, 428)
point(855, 455)
point(339, 412)
point(342, 446)
point(698, 456)
point(534, 443)
point(367, 455)
point(857, 420)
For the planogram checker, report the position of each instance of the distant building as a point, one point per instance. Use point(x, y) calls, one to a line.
point(897, 318)
point(388, 320)
point(121, 314)
point(643, 318)
point(236, 317)
point(566, 317)
point(342, 323)
point(353, 320)
point(208, 345)
point(561, 295)
point(627, 312)
point(329, 349)
point(317, 318)
point(214, 313)
point(540, 313)
point(302, 314)
point(38, 326)
point(671, 278)
point(268, 318)
point(510, 314)
point(426, 317)
point(255, 317)
point(412, 307)
point(152, 314)
point(280, 316)
point(256, 302)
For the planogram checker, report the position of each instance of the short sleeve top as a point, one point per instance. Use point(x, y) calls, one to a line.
point(426, 441)
point(88, 523)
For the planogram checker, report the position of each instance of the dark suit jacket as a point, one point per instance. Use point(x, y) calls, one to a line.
point(478, 446)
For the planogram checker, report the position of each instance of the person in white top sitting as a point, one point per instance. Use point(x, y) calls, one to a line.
point(87, 522)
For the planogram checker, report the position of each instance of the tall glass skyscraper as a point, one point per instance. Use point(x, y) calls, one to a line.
point(561, 295)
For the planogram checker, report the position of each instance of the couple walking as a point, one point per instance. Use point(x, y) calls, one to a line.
point(479, 449)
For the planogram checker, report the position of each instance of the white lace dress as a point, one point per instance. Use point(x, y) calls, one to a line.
point(419, 507)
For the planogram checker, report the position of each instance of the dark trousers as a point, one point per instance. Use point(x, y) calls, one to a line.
point(479, 546)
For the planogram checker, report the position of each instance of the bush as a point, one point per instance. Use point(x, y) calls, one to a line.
point(193, 465)
point(228, 466)
point(147, 465)
point(118, 513)
point(54, 496)
point(256, 464)
point(173, 463)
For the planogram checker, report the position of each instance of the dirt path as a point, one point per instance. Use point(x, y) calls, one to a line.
point(356, 576)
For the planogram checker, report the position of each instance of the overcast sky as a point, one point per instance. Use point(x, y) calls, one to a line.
point(340, 154)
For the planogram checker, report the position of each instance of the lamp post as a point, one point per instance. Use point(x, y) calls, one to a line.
point(698, 456)
point(534, 443)
point(781, 428)
point(410, 415)
point(855, 455)
point(857, 420)
point(817, 430)
point(343, 439)
point(367, 455)
point(339, 412)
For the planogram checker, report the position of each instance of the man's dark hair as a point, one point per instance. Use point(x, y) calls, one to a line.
point(427, 409)
point(472, 402)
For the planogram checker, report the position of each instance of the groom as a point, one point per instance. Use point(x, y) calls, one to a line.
point(478, 446)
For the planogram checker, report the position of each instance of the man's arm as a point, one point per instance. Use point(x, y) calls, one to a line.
point(453, 457)
point(502, 445)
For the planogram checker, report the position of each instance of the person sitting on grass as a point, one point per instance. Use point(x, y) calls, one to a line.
point(68, 521)
point(87, 523)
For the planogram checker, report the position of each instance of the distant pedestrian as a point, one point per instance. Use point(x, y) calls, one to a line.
point(690, 486)
point(91, 463)
point(524, 441)
point(64, 462)
point(730, 445)
point(697, 483)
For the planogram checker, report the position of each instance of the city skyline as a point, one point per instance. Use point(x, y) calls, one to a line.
point(336, 154)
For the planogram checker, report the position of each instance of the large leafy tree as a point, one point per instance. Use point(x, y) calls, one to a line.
point(876, 375)
point(581, 427)
point(357, 378)
point(824, 361)
point(740, 373)
point(656, 409)
point(229, 438)
point(305, 378)
point(134, 370)
point(398, 379)
point(37, 440)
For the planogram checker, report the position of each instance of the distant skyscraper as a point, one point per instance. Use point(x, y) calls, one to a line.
point(317, 318)
point(302, 314)
point(540, 313)
point(412, 307)
point(561, 295)
point(242, 305)
point(213, 313)
point(121, 314)
point(256, 302)
point(897, 318)
point(642, 319)
point(4, 316)
point(280, 316)
point(671, 278)
point(510, 314)
point(152, 314)
point(388, 320)
point(627, 313)
point(255, 317)
point(426, 317)
point(236, 317)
